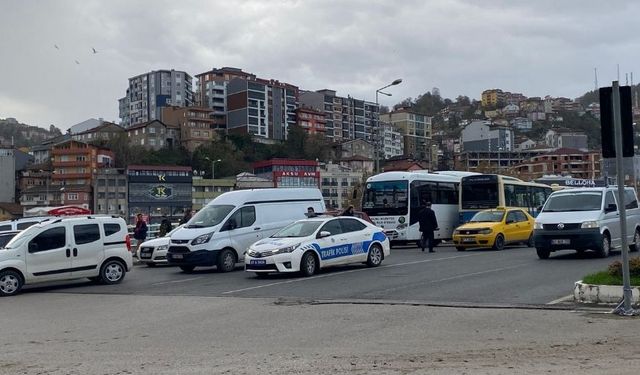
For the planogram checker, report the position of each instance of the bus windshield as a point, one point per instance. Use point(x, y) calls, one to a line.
point(479, 195)
point(385, 198)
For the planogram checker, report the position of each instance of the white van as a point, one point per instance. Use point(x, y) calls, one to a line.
point(221, 232)
point(23, 223)
point(66, 248)
point(586, 219)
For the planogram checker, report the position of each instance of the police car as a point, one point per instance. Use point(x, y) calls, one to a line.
point(308, 245)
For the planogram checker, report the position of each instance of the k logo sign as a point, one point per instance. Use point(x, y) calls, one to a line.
point(161, 192)
point(162, 177)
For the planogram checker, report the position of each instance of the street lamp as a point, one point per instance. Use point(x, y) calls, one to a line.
point(213, 166)
point(377, 141)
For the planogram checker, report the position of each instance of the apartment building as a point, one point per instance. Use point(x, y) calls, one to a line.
point(154, 135)
point(147, 93)
point(110, 191)
point(311, 120)
point(483, 135)
point(7, 174)
point(392, 141)
point(415, 128)
point(563, 161)
point(104, 132)
point(205, 190)
point(289, 173)
point(493, 98)
point(261, 108)
point(566, 138)
point(195, 125)
point(211, 91)
point(337, 184)
point(346, 118)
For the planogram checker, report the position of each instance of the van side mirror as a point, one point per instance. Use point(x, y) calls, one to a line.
point(33, 247)
point(324, 234)
point(611, 208)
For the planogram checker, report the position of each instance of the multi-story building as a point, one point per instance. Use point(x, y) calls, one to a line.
point(195, 124)
point(211, 91)
point(357, 147)
point(104, 132)
point(483, 135)
point(346, 118)
point(156, 190)
point(521, 123)
point(563, 161)
point(154, 135)
point(289, 173)
point(7, 175)
point(262, 108)
point(338, 184)
point(415, 128)
point(495, 161)
point(147, 93)
point(205, 190)
point(359, 163)
point(566, 138)
point(392, 141)
point(110, 192)
point(493, 98)
point(311, 120)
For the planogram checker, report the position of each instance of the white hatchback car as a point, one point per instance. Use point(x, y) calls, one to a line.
point(154, 251)
point(308, 245)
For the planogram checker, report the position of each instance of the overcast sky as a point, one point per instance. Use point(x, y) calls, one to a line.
point(538, 48)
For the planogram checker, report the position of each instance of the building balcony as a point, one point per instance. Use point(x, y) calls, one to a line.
point(73, 163)
point(72, 176)
point(71, 151)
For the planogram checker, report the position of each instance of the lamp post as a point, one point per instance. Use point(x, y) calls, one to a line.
point(377, 140)
point(499, 160)
point(213, 167)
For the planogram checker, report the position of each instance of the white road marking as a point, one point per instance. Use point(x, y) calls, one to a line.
point(561, 299)
point(178, 281)
point(351, 271)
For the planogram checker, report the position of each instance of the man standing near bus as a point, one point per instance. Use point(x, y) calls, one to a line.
point(428, 224)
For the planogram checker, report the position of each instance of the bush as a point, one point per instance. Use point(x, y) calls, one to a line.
point(615, 268)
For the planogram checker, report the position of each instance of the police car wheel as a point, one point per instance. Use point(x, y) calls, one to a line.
point(308, 264)
point(375, 256)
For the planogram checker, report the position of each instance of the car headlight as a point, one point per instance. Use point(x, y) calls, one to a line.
point(589, 224)
point(202, 239)
point(485, 231)
point(162, 247)
point(287, 249)
point(537, 225)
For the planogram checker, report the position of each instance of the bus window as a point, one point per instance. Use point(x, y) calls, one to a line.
point(479, 195)
point(447, 193)
point(385, 198)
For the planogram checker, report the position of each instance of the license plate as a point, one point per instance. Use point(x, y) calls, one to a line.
point(560, 242)
point(258, 261)
point(468, 240)
point(176, 256)
point(145, 256)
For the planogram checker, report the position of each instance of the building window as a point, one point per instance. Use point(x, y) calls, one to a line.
point(72, 196)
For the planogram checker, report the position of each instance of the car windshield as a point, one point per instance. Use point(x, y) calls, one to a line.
point(209, 216)
point(488, 216)
point(299, 229)
point(574, 201)
point(5, 238)
point(23, 234)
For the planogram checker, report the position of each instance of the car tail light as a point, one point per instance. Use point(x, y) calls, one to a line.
point(127, 239)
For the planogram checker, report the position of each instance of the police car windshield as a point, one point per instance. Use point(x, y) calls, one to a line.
point(298, 229)
point(209, 216)
point(574, 201)
point(487, 216)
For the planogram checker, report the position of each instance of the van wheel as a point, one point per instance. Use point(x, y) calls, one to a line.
point(308, 264)
point(605, 247)
point(227, 260)
point(498, 244)
point(375, 256)
point(187, 269)
point(10, 283)
point(543, 253)
point(112, 272)
point(635, 246)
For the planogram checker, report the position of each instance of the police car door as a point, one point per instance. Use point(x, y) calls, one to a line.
point(358, 237)
point(333, 248)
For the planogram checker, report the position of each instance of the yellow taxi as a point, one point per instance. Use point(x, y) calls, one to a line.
point(495, 228)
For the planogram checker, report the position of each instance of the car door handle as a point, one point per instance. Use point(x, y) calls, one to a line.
point(257, 228)
point(75, 252)
point(68, 253)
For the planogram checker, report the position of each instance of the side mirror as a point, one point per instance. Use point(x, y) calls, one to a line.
point(324, 234)
point(33, 247)
point(611, 208)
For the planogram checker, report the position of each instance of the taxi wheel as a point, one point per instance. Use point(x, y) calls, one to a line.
point(498, 244)
point(375, 256)
point(460, 248)
point(308, 264)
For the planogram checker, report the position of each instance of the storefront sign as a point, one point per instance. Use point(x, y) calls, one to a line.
point(161, 192)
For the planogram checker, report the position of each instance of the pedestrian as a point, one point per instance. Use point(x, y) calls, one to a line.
point(187, 216)
point(348, 212)
point(428, 224)
point(140, 231)
point(165, 226)
point(311, 212)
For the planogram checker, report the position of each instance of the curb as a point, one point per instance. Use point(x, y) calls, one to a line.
point(606, 294)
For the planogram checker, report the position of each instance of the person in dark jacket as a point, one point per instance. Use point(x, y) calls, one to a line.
point(187, 216)
point(140, 231)
point(311, 212)
point(428, 224)
point(348, 212)
point(165, 226)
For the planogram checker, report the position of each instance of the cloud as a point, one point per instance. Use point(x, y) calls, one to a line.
point(354, 47)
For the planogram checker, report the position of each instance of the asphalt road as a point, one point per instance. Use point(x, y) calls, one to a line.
point(513, 276)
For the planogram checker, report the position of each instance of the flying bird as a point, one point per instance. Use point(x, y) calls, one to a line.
point(77, 62)
point(55, 45)
point(94, 50)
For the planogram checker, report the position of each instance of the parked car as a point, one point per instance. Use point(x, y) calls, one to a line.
point(6, 236)
point(66, 248)
point(495, 228)
point(220, 233)
point(22, 223)
point(309, 245)
point(154, 251)
point(586, 219)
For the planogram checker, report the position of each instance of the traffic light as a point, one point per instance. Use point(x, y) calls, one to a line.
point(607, 130)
